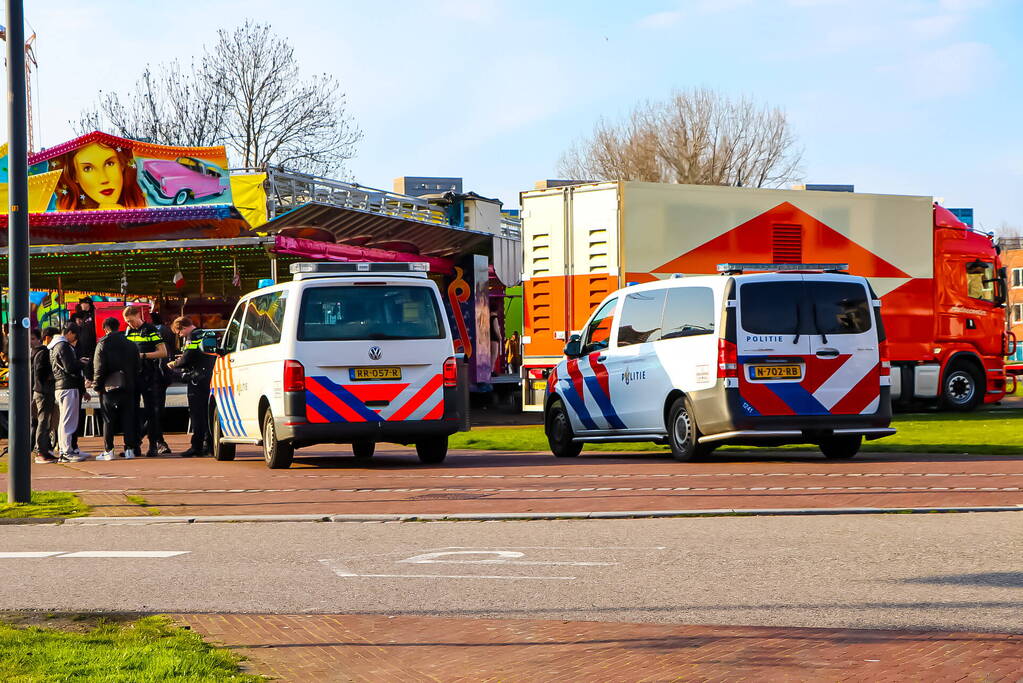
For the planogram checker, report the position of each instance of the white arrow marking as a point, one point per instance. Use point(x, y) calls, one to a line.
point(341, 571)
point(126, 553)
point(503, 557)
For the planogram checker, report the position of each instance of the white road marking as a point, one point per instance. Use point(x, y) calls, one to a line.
point(503, 557)
point(341, 571)
point(126, 553)
point(27, 554)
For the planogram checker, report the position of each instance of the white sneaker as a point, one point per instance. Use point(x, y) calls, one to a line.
point(129, 453)
point(72, 457)
point(107, 455)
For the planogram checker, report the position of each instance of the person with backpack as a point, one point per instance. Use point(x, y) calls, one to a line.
point(69, 390)
point(44, 403)
point(115, 371)
point(196, 366)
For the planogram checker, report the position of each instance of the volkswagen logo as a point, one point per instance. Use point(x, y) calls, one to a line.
point(375, 352)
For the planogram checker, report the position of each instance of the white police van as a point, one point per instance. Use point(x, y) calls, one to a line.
point(345, 353)
point(791, 354)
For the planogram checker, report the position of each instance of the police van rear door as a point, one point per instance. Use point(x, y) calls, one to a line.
point(843, 344)
point(373, 349)
point(776, 373)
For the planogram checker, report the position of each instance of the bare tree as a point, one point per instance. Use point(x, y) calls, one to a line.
point(246, 93)
point(698, 136)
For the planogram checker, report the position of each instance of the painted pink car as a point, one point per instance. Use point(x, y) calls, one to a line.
point(182, 179)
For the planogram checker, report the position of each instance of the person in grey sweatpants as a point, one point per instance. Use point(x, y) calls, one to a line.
point(70, 387)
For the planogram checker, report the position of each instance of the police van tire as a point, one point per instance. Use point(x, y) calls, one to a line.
point(962, 390)
point(559, 433)
point(682, 432)
point(363, 450)
point(432, 450)
point(841, 447)
point(221, 451)
point(278, 454)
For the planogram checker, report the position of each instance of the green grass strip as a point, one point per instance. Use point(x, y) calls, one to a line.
point(44, 504)
point(148, 650)
point(988, 432)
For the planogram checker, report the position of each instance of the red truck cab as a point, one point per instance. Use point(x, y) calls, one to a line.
point(947, 337)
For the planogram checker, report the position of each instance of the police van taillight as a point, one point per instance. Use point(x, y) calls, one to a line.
point(294, 376)
point(450, 372)
point(886, 364)
point(728, 359)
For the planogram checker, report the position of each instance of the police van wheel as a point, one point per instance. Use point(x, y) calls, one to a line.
point(278, 454)
point(363, 450)
point(682, 432)
point(841, 447)
point(432, 450)
point(221, 451)
point(559, 433)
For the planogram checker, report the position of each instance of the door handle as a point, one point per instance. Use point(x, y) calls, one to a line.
point(601, 358)
point(827, 353)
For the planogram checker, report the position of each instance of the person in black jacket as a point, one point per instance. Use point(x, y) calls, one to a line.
point(69, 386)
point(44, 406)
point(151, 350)
point(196, 368)
point(115, 371)
point(84, 316)
point(164, 378)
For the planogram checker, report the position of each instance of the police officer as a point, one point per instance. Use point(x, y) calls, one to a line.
point(151, 349)
point(196, 366)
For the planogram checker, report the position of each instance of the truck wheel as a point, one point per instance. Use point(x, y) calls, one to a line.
point(559, 433)
point(363, 450)
point(221, 451)
point(963, 388)
point(682, 432)
point(278, 454)
point(432, 450)
point(841, 447)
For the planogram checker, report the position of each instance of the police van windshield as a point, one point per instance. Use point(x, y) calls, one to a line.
point(357, 312)
point(798, 307)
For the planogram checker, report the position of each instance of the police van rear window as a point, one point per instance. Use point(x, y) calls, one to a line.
point(812, 307)
point(351, 313)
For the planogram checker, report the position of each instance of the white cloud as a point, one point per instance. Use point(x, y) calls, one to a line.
point(660, 19)
point(953, 70)
point(936, 26)
point(963, 5)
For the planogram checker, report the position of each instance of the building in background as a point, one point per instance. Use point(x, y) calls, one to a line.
point(418, 186)
point(1012, 259)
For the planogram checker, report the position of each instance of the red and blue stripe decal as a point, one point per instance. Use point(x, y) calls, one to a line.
point(327, 401)
point(599, 388)
point(780, 397)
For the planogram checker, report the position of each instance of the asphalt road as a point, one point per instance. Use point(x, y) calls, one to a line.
point(954, 572)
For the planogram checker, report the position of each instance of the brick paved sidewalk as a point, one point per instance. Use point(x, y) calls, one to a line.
point(402, 648)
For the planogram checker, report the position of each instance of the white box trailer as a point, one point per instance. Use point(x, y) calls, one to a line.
point(944, 322)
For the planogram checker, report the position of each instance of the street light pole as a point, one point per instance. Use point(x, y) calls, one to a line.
point(19, 419)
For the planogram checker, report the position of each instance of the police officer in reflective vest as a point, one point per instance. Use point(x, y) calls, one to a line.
point(151, 349)
point(196, 366)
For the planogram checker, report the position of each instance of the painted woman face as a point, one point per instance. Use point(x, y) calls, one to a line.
point(100, 175)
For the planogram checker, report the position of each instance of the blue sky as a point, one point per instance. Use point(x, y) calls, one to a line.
point(911, 97)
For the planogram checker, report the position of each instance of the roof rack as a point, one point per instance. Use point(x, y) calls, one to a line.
point(314, 268)
point(739, 268)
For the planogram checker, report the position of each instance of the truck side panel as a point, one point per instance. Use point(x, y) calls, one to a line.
point(570, 246)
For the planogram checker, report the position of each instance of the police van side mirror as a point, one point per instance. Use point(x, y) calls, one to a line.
point(221, 351)
point(574, 347)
